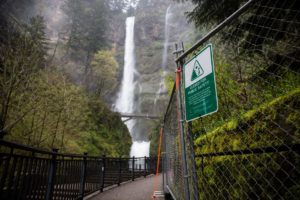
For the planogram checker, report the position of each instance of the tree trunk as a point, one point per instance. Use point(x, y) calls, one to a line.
point(56, 128)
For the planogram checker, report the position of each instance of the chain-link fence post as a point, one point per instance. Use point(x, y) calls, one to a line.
point(181, 125)
point(194, 181)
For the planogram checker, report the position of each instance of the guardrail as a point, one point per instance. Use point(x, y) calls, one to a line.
point(31, 173)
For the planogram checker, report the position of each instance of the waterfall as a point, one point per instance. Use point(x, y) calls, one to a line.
point(125, 101)
point(166, 42)
point(162, 87)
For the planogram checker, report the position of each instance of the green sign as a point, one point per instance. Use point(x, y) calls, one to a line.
point(200, 85)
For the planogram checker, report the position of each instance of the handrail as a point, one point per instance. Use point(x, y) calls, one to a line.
point(15, 145)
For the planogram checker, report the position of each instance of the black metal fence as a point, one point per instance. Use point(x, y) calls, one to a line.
point(29, 173)
point(249, 149)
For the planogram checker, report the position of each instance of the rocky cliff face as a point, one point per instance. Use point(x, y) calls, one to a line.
point(149, 47)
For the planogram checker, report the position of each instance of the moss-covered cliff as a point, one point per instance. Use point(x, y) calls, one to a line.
point(258, 128)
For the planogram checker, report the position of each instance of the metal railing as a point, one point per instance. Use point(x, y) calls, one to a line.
point(249, 149)
point(30, 173)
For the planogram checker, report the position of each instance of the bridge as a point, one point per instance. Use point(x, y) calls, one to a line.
point(31, 173)
point(129, 116)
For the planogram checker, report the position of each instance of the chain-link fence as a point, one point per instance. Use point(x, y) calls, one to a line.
point(179, 172)
point(172, 152)
point(249, 149)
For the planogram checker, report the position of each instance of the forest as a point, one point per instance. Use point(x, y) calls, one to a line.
point(56, 78)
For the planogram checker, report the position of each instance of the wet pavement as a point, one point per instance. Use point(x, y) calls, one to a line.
point(140, 189)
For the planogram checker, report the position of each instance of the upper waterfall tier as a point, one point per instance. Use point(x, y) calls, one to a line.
point(125, 101)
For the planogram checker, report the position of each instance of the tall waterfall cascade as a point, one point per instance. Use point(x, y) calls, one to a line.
point(125, 101)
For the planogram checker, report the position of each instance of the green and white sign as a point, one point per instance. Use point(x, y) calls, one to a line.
point(200, 85)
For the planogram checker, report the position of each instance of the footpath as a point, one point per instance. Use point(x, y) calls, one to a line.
point(140, 189)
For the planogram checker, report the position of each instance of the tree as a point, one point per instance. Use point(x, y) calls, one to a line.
point(252, 31)
point(40, 106)
point(87, 25)
point(74, 11)
point(103, 73)
point(36, 30)
point(22, 53)
point(212, 11)
point(118, 5)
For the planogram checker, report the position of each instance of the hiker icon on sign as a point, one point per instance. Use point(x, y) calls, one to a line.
point(197, 70)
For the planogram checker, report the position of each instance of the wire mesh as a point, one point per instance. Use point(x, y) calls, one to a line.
point(193, 181)
point(249, 149)
point(258, 88)
point(172, 150)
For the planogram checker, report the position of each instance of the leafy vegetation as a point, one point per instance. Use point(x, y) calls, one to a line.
point(154, 138)
point(41, 105)
point(104, 73)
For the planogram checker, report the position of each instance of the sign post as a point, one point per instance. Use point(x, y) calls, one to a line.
point(200, 85)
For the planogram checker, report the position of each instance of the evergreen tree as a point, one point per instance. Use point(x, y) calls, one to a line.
point(211, 11)
point(36, 30)
point(252, 30)
point(87, 25)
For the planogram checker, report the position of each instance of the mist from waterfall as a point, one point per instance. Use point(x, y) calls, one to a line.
point(125, 101)
point(162, 87)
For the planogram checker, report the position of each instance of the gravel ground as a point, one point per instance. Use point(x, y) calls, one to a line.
point(140, 189)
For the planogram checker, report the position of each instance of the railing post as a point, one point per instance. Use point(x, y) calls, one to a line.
point(149, 165)
point(5, 171)
point(120, 171)
point(51, 175)
point(163, 156)
point(133, 159)
point(145, 165)
point(103, 172)
point(163, 169)
point(154, 163)
point(83, 176)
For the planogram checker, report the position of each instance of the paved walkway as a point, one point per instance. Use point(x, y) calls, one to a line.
point(140, 189)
